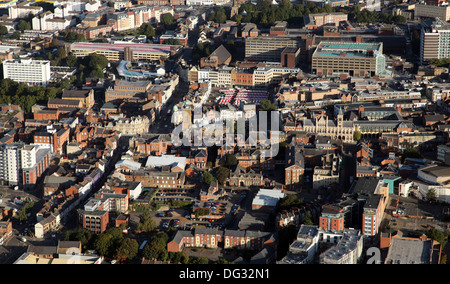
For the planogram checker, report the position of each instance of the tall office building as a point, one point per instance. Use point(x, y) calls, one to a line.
point(434, 40)
point(33, 72)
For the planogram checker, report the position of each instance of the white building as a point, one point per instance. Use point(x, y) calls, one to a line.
point(267, 198)
point(304, 248)
point(33, 72)
point(22, 10)
point(348, 249)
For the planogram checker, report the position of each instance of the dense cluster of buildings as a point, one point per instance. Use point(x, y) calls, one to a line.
point(349, 106)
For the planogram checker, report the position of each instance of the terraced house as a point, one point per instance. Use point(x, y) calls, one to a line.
point(214, 238)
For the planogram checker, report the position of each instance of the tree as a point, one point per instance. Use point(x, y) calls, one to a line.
point(173, 41)
point(93, 60)
point(431, 195)
point(71, 60)
point(285, 4)
point(357, 135)
point(167, 19)
point(437, 235)
point(178, 258)
point(82, 235)
point(15, 35)
point(208, 178)
point(146, 222)
point(199, 260)
point(23, 25)
point(156, 248)
point(238, 19)
point(103, 244)
point(308, 219)
point(107, 243)
point(61, 53)
point(267, 105)
point(291, 200)
point(54, 43)
point(220, 17)
point(411, 153)
point(3, 30)
point(231, 160)
point(222, 175)
point(147, 29)
point(201, 212)
point(127, 250)
point(96, 72)
point(73, 36)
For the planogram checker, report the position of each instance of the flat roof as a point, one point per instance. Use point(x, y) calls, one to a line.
point(135, 47)
point(346, 49)
point(409, 251)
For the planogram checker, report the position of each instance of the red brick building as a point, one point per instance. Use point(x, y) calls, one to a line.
point(55, 139)
point(210, 238)
point(332, 218)
point(152, 144)
point(124, 89)
point(244, 77)
point(94, 221)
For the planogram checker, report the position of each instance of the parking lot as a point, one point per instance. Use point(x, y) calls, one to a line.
point(10, 198)
point(223, 211)
point(408, 213)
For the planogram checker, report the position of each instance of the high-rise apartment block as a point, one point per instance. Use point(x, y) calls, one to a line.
point(33, 72)
point(22, 164)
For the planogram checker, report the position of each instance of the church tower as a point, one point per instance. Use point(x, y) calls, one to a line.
point(234, 9)
point(340, 118)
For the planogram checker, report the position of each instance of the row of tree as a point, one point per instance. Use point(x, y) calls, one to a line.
point(26, 96)
point(265, 14)
point(366, 16)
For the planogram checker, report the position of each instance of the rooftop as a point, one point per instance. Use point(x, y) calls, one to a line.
point(347, 49)
point(409, 251)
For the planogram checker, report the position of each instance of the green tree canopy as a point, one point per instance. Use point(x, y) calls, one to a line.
point(222, 175)
point(23, 25)
point(267, 105)
point(147, 29)
point(231, 160)
point(173, 41)
point(3, 30)
point(156, 248)
point(290, 201)
point(127, 250)
point(207, 178)
point(167, 19)
point(146, 222)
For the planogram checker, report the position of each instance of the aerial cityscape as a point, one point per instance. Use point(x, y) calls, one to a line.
point(224, 132)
